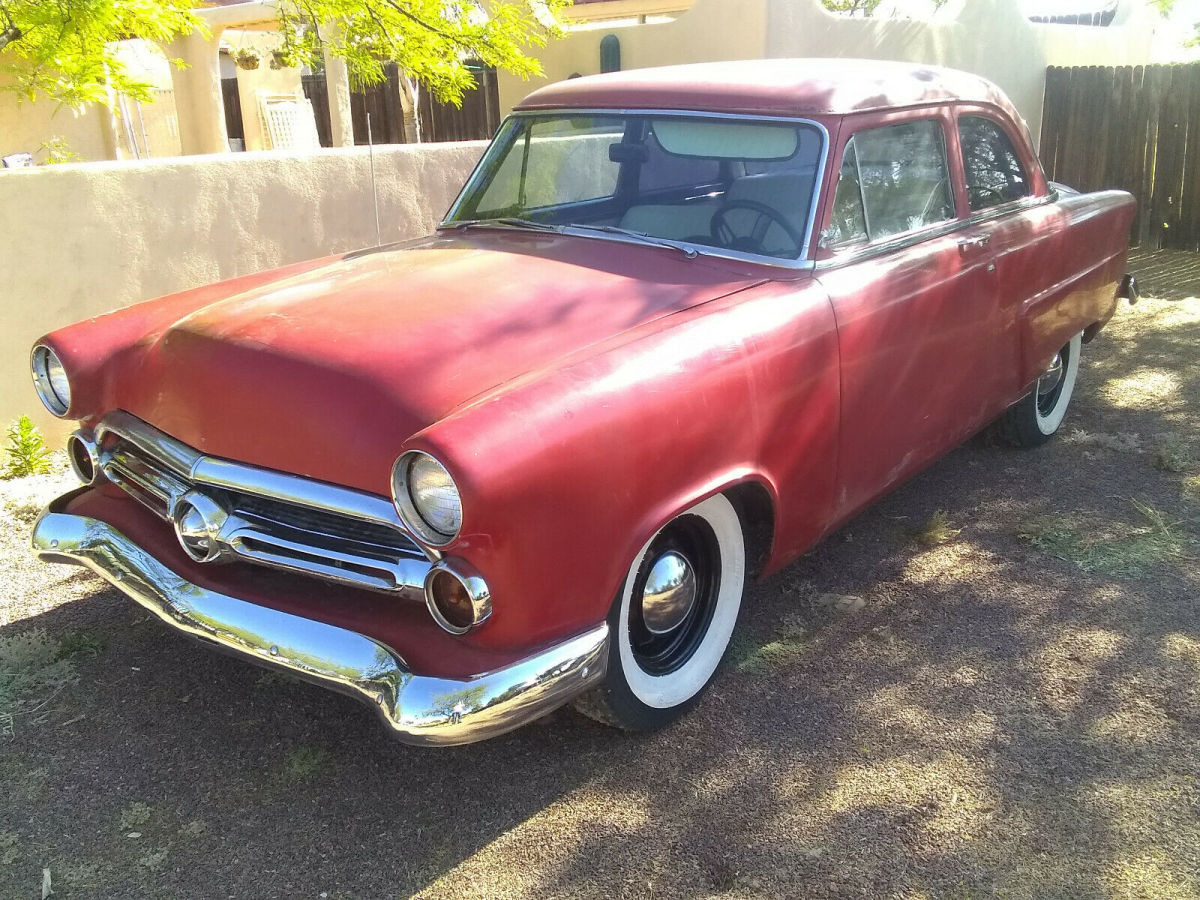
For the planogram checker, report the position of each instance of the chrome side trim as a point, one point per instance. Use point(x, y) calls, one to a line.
point(801, 262)
point(910, 238)
point(418, 709)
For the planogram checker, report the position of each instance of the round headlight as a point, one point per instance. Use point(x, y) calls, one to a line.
point(426, 497)
point(50, 380)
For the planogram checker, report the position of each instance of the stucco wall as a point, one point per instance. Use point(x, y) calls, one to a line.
point(26, 124)
point(988, 37)
point(82, 239)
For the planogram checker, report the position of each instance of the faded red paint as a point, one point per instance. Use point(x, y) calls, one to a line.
point(583, 392)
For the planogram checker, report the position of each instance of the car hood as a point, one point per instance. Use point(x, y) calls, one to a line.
point(328, 372)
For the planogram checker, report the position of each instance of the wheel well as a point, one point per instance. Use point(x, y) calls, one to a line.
point(757, 513)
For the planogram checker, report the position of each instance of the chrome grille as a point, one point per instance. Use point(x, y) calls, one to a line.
point(274, 519)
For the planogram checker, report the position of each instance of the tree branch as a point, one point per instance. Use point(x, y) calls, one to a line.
point(8, 35)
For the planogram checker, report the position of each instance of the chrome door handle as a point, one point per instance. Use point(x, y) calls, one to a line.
point(978, 242)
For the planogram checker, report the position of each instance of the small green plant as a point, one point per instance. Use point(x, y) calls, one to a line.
point(1172, 455)
point(58, 152)
point(80, 643)
point(27, 453)
point(153, 860)
point(1128, 551)
point(133, 816)
point(305, 762)
point(33, 671)
point(937, 530)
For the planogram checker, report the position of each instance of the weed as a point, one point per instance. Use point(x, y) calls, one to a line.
point(80, 643)
point(937, 530)
point(27, 451)
point(1173, 455)
point(1121, 442)
point(153, 860)
point(194, 828)
point(304, 762)
point(1130, 551)
point(9, 852)
point(133, 816)
point(1191, 487)
point(33, 671)
point(788, 645)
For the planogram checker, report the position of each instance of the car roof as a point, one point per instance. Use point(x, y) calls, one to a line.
point(771, 87)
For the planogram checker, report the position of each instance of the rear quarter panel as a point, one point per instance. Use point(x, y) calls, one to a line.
point(1066, 271)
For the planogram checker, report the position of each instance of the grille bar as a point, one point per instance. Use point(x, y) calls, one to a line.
point(274, 519)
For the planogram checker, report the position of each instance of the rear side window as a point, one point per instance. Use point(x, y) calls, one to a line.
point(993, 169)
point(892, 180)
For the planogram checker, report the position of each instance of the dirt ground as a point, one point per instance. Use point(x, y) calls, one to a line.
point(1001, 700)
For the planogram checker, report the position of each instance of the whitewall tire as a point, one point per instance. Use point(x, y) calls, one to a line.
point(671, 625)
point(1035, 418)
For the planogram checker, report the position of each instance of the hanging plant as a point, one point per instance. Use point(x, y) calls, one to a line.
point(277, 60)
point(247, 58)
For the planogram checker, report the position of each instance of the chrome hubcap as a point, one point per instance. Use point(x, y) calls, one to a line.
point(1051, 377)
point(670, 593)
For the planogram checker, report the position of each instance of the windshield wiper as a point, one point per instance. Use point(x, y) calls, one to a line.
point(639, 236)
point(505, 222)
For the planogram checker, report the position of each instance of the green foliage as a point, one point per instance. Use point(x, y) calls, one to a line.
point(303, 763)
point(432, 41)
point(27, 451)
point(937, 530)
point(64, 49)
point(57, 152)
point(1126, 551)
point(33, 671)
point(133, 816)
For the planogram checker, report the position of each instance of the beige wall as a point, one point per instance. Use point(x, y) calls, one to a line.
point(26, 124)
point(82, 239)
point(988, 37)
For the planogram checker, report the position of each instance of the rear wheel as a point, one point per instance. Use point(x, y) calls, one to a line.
point(1035, 418)
point(670, 627)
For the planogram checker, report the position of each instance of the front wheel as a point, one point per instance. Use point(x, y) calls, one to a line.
point(1034, 419)
point(670, 627)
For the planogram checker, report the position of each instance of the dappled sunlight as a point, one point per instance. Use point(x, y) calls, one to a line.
point(1182, 648)
point(893, 710)
point(1153, 873)
point(1146, 386)
point(1136, 721)
point(1070, 663)
point(947, 562)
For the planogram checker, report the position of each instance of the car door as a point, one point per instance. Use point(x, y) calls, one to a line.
point(923, 339)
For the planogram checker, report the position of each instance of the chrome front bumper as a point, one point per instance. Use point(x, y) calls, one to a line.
point(418, 709)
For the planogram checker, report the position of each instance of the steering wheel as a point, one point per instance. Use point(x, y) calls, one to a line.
point(724, 234)
point(981, 196)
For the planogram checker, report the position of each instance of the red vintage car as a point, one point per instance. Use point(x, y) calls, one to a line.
point(679, 325)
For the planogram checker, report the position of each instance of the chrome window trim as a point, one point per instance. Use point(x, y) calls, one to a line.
point(802, 260)
point(910, 238)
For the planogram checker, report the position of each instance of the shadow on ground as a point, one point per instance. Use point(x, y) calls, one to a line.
point(994, 720)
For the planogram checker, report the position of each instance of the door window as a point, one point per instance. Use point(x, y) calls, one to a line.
point(993, 169)
point(892, 180)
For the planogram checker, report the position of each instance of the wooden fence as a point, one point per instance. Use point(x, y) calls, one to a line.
point(1135, 128)
point(476, 120)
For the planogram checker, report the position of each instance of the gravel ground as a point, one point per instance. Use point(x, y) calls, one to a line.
point(1007, 704)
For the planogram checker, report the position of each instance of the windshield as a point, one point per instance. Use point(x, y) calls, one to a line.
point(739, 185)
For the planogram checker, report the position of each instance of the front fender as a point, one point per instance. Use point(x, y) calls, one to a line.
point(567, 474)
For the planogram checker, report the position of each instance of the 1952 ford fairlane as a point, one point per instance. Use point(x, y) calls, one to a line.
point(679, 324)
